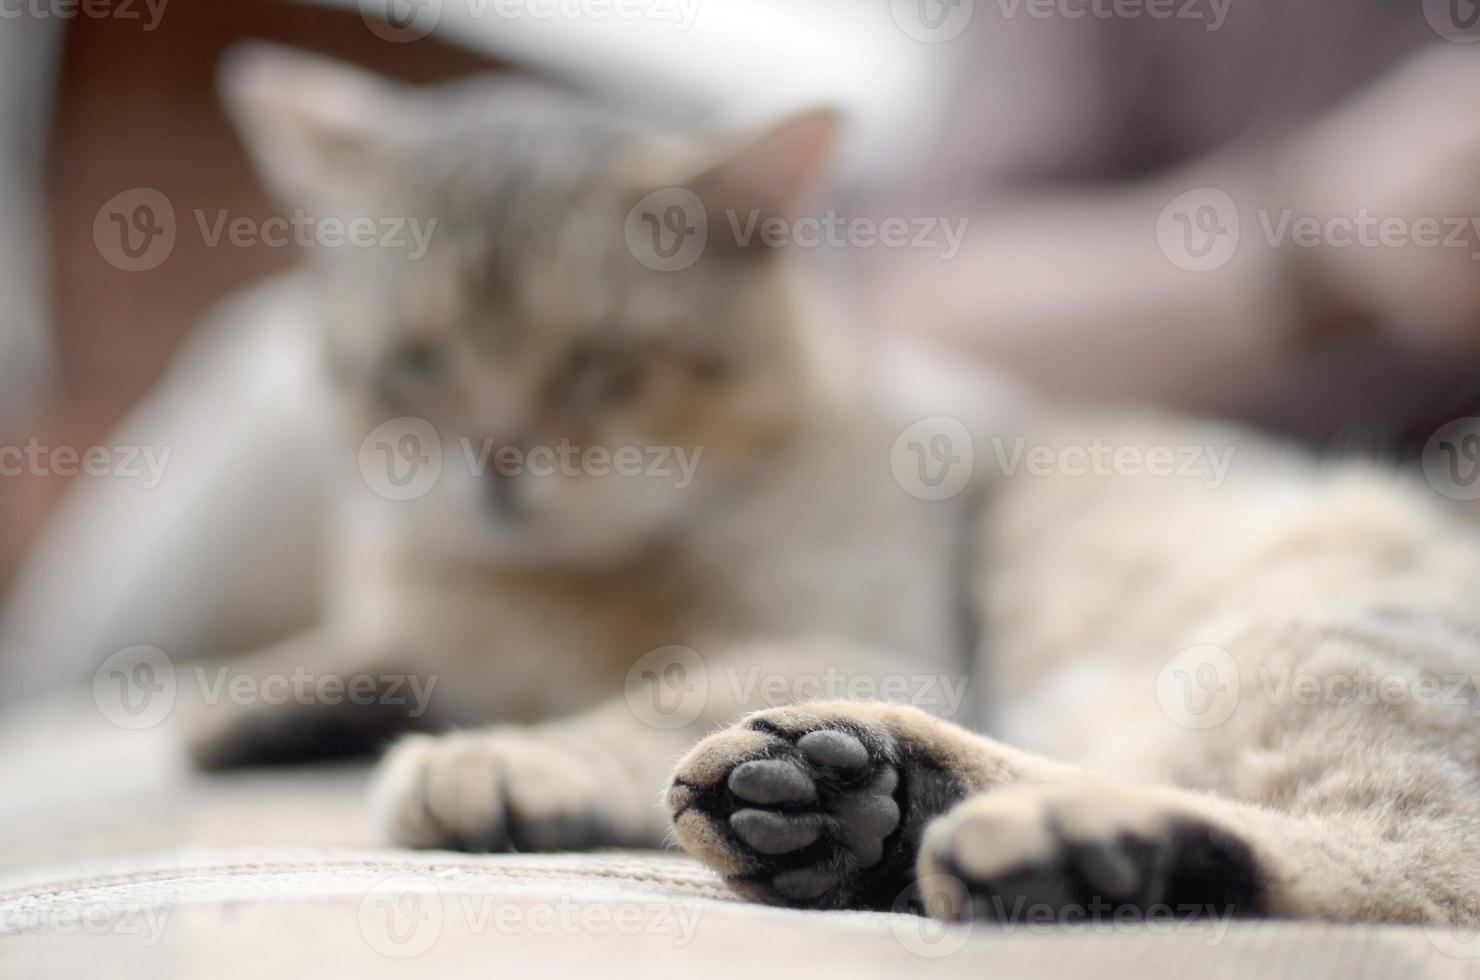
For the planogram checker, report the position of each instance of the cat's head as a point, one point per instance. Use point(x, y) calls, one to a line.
point(525, 296)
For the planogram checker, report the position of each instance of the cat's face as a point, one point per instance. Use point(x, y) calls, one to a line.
point(583, 402)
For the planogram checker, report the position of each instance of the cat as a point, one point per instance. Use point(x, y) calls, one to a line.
point(786, 552)
point(1142, 646)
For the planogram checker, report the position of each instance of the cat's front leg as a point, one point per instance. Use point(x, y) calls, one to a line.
point(873, 806)
point(594, 779)
point(1093, 850)
point(824, 805)
point(310, 698)
point(573, 784)
point(1341, 787)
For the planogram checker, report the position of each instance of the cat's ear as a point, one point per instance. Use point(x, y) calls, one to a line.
point(318, 129)
point(769, 170)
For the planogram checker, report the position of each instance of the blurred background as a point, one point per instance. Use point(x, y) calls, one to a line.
point(1087, 143)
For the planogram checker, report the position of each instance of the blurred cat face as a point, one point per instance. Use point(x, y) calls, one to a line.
point(573, 417)
point(583, 402)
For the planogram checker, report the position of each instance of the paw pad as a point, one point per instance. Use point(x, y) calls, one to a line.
point(808, 821)
point(1090, 853)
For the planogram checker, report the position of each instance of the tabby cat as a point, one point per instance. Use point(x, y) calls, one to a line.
point(1178, 661)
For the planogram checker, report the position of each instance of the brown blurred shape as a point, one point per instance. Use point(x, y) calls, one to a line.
point(138, 108)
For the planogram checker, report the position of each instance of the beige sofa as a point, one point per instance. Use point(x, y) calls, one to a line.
point(119, 862)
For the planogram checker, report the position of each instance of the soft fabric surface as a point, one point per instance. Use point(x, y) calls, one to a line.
point(365, 914)
point(121, 863)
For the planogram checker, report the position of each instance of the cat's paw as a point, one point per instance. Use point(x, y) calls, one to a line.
point(1052, 853)
point(508, 789)
point(228, 736)
point(816, 806)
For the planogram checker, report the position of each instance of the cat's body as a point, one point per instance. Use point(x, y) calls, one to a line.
point(794, 561)
point(1259, 699)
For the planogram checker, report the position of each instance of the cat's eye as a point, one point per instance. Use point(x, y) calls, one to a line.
point(418, 360)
